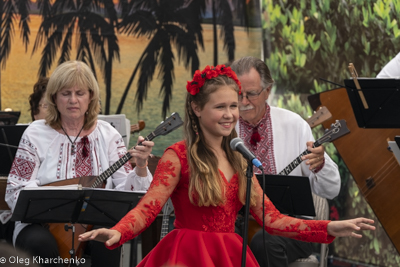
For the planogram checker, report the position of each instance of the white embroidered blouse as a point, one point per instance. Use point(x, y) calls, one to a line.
point(44, 156)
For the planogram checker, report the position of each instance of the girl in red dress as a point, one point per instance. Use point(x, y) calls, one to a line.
point(206, 181)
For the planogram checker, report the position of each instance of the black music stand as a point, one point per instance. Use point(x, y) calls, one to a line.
point(9, 117)
point(290, 194)
point(10, 136)
point(88, 206)
point(382, 97)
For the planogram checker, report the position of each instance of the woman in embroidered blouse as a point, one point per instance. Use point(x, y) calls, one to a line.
point(71, 143)
point(206, 182)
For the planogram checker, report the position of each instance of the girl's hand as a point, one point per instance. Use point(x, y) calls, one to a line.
point(107, 236)
point(348, 227)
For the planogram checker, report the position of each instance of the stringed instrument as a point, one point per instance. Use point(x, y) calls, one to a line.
point(138, 126)
point(167, 210)
point(319, 116)
point(371, 164)
point(338, 129)
point(60, 230)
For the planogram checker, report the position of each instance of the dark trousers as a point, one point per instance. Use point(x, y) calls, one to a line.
point(279, 251)
point(6, 231)
point(38, 241)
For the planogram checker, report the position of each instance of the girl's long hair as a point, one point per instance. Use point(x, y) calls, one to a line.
point(206, 184)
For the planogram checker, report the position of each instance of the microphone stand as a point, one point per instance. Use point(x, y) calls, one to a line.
point(249, 175)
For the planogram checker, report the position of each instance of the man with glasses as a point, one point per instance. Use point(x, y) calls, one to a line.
point(276, 137)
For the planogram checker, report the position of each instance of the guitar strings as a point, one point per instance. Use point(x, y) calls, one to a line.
point(156, 132)
point(379, 176)
point(323, 138)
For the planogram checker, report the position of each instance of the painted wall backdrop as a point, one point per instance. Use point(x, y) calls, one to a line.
point(306, 40)
point(142, 52)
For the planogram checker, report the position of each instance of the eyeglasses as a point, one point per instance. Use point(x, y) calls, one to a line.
point(251, 95)
point(45, 106)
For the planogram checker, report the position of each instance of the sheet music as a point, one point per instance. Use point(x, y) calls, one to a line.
point(119, 122)
point(60, 187)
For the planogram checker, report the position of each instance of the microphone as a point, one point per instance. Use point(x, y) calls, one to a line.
point(237, 144)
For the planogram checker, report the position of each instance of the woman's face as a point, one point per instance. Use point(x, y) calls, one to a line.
point(220, 114)
point(72, 103)
point(42, 110)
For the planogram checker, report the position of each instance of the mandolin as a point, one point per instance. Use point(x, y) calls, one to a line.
point(138, 127)
point(167, 126)
point(338, 129)
point(167, 210)
point(319, 116)
point(59, 230)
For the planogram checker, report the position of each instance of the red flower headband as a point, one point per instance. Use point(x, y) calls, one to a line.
point(199, 78)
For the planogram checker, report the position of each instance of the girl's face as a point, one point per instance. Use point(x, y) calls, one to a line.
point(220, 114)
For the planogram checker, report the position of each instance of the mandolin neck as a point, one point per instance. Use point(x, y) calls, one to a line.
point(112, 169)
point(118, 164)
point(297, 161)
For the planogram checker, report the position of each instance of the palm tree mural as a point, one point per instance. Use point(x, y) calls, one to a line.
point(92, 23)
point(222, 13)
point(9, 12)
point(168, 23)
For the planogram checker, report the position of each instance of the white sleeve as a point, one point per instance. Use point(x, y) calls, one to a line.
point(326, 182)
point(290, 136)
point(391, 69)
point(23, 172)
point(125, 178)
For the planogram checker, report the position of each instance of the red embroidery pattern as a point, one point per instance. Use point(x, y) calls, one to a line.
point(152, 210)
point(83, 165)
point(121, 152)
point(164, 169)
point(264, 148)
point(22, 168)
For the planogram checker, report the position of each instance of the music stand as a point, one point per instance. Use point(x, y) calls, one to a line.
point(9, 117)
point(291, 195)
point(382, 97)
point(88, 206)
point(10, 135)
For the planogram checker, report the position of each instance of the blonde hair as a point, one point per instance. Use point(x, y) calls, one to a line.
point(205, 183)
point(67, 75)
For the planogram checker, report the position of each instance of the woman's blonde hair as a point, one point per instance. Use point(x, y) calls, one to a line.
point(205, 183)
point(67, 75)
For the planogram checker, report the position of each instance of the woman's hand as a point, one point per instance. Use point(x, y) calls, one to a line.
point(140, 154)
point(348, 227)
point(107, 236)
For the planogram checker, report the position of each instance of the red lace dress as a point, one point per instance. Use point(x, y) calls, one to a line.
point(204, 236)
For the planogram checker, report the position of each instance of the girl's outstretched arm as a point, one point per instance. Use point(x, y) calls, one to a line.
point(349, 227)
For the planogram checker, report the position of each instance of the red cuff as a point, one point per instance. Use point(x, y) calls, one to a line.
point(320, 166)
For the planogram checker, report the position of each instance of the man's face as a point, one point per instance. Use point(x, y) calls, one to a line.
point(253, 97)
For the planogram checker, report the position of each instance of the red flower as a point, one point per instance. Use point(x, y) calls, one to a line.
point(334, 214)
point(199, 78)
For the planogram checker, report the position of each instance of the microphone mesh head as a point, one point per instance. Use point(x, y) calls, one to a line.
point(235, 142)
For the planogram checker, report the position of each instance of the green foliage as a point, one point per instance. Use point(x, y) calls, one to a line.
point(375, 247)
point(310, 39)
point(313, 39)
